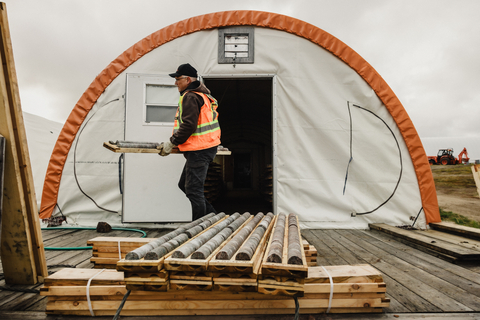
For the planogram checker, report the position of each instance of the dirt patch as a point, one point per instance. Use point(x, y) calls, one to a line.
point(456, 190)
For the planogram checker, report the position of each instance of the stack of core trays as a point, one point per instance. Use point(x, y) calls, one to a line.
point(283, 278)
point(240, 275)
point(187, 273)
point(105, 250)
point(355, 289)
point(212, 274)
point(150, 275)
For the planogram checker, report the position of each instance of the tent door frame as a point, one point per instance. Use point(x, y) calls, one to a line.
point(273, 78)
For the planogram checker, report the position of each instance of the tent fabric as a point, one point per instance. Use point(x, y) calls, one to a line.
point(237, 18)
point(41, 137)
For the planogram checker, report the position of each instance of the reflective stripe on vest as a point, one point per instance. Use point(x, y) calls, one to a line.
point(207, 133)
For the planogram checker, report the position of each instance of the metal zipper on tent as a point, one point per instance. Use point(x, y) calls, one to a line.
point(353, 214)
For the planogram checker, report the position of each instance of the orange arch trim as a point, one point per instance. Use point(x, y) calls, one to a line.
point(234, 18)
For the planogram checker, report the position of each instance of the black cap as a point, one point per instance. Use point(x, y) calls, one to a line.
point(185, 70)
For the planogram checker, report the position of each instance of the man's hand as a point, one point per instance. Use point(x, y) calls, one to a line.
point(166, 148)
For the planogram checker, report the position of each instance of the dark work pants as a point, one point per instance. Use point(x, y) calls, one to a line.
point(192, 180)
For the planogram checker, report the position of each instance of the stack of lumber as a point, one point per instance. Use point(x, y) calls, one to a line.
point(436, 243)
point(356, 289)
point(284, 266)
point(310, 253)
point(105, 249)
point(237, 262)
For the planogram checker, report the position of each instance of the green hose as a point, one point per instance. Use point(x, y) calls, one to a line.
point(86, 228)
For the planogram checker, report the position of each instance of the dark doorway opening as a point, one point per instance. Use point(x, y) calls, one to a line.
point(245, 116)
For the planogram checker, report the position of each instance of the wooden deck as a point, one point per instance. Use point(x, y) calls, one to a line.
point(419, 285)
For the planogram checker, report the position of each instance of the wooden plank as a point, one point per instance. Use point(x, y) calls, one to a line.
point(452, 238)
point(424, 249)
point(40, 305)
point(465, 279)
point(476, 176)
point(347, 295)
point(189, 276)
point(204, 287)
point(19, 302)
point(133, 265)
point(408, 299)
point(52, 233)
point(441, 246)
point(216, 304)
point(333, 241)
point(6, 296)
point(327, 249)
point(22, 251)
point(102, 250)
point(395, 307)
point(469, 232)
point(221, 312)
point(2, 173)
point(345, 287)
point(286, 282)
point(276, 315)
point(154, 287)
point(76, 276)
point(415, 280)
point(358, 273)
point(438, 279)
point(74, 239)
point(113, 241)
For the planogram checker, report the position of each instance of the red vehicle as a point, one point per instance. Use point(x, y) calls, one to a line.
point(445, 157)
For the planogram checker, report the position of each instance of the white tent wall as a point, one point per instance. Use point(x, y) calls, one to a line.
point(313, 91)
point(41, 137)
point(95, 169)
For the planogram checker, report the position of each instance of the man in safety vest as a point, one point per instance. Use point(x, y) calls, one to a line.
point(196, 132)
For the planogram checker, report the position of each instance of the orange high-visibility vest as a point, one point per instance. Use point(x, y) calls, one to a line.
point(207, 134)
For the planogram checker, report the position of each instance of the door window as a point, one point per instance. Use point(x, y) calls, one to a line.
point(160, 103)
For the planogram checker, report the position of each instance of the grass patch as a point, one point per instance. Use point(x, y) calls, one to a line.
point(458, 219)
point(456, 180)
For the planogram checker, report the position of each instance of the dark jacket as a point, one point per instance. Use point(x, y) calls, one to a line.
point(192, 103)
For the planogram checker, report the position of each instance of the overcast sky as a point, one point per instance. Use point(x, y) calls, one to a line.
point(426, 50)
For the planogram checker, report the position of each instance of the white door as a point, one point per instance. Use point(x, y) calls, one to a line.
point(150, 192)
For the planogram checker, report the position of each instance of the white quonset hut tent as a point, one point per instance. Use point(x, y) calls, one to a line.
point(343, 150)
